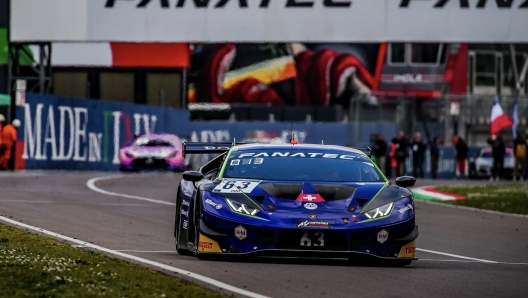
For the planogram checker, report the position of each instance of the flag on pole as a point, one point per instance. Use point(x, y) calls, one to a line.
point(498, 120)
point(515, 117)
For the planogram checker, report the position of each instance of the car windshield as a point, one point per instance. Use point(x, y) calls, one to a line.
point(148, 142)
point(302, 165)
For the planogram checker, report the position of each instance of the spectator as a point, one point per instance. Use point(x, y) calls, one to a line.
point(520, 151)
point(392, 157)
point(461, 155)
point(435, 157)
point(498, 150)
point(401, 153)
point(418, 148)
point(380, 150)
point(8, 144)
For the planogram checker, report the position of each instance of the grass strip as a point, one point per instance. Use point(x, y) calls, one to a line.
point(36, 266)
point(510, 198)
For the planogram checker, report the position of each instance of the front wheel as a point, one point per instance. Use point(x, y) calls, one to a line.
point(196, 221)
point(177, 221)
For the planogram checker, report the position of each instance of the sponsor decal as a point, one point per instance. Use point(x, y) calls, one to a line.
point(312, 216)
point(236, 186)
point(310, 198)
point(188, 192)
point(299, 154)
point(185, 224)
point(186, 203)
point(408, 250)
point(408, 207)
point(310, 206)
point(205, 245)
point(210, 202)
point(382, 236)
point(240, 232)
point(185, 213)
point(313, 224)
point(345, 220)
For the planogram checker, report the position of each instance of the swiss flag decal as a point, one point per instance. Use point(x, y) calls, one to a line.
point(310, 198)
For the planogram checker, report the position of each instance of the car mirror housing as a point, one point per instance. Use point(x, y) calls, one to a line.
point(192, 176)
point(405, 181)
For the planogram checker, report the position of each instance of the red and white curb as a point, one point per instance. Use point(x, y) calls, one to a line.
point(429, 193)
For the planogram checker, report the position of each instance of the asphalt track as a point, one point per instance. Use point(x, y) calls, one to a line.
point(464, 253)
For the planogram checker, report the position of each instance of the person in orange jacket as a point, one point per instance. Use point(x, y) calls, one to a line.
point(392, 156)
point(9, 134)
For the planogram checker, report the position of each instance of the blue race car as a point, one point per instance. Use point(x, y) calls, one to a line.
point(293, 200)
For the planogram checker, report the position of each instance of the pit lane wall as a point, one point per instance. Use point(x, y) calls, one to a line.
point(82, 134)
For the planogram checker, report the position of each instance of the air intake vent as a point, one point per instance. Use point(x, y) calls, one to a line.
point(334, 192)
point(289, 191)
point(359, 239)
point(361, 202)
point(265, 236)
point(259, 199)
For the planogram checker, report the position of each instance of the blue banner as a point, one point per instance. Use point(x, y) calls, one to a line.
point(82, 134)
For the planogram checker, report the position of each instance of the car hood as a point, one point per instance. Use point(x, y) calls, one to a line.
point(323, 196)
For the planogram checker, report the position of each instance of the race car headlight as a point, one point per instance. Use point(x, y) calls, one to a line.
point(129, 155)
point(241, 208)
point(380, 212)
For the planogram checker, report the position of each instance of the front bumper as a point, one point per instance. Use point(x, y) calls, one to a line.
point(153, 164)
point(400, 242)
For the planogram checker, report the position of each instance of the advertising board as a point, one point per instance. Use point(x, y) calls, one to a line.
point(270, 20)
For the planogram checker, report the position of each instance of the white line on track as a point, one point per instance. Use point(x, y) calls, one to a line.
point(91, 185)
point(147, 251)
point(454, 256)
point(469, 261)
point(195, 276)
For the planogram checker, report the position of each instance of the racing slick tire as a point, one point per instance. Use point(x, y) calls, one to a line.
point(177, 219)
point(196, 222)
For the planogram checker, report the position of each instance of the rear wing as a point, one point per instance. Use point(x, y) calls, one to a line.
point(365, 150)
point(218, 147)
point(206, 148)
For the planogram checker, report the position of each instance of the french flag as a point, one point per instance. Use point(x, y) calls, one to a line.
point(499, 120)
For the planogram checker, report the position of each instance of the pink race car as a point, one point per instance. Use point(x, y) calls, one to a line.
point(154, 152)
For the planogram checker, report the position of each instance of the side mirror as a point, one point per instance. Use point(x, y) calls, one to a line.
point(192, 176)
point(405, 181)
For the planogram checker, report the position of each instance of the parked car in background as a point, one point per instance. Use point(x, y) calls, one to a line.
point(481, 165)
point(154, 152)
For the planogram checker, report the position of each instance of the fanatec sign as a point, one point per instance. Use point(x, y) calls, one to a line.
point(270, 20)
point(241, 3)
